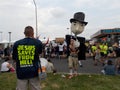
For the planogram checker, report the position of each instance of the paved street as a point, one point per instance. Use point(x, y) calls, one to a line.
point(88, 67)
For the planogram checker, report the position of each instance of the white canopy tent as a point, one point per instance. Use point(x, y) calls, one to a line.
point(5, 43)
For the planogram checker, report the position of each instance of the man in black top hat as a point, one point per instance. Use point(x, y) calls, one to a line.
point(78, 23)
point(77, 27)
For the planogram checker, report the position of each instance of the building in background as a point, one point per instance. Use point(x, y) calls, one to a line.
point(59, 40)
point(109, 36)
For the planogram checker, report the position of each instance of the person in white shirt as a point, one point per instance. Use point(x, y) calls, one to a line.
point(6, 66)
point(50, 66)
point(60, 50)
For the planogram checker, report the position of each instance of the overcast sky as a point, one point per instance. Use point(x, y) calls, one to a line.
point(54, 16)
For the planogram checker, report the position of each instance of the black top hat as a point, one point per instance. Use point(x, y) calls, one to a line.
point(79, 16)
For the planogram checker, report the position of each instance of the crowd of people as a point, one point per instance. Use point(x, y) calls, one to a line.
point(29, 53)
point(100, 52)
point(25, 54)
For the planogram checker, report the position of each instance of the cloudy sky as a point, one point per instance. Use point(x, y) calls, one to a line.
point(54, 15)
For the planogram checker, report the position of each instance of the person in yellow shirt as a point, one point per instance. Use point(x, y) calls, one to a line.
point(94, 48)
point(104, 52)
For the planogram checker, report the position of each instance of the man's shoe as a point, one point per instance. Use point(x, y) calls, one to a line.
point(81, 65)
point(70, 76)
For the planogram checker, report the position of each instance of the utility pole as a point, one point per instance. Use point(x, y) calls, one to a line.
point(1, 35)
point(36, 18)
point(9, 37)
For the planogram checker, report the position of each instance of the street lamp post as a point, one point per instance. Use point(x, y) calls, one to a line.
point(36, 18)
point(1, 35)
point(68, 30)
point(9, 37)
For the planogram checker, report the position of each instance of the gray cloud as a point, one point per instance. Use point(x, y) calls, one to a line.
point(53, 18)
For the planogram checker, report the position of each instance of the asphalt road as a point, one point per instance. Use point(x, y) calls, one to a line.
point(88, 66)
point(61, 65)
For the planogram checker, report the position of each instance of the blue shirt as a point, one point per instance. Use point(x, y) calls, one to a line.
point(109, 69)
point(26, 54)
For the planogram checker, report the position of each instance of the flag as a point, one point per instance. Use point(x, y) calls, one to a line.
point(47, 41)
